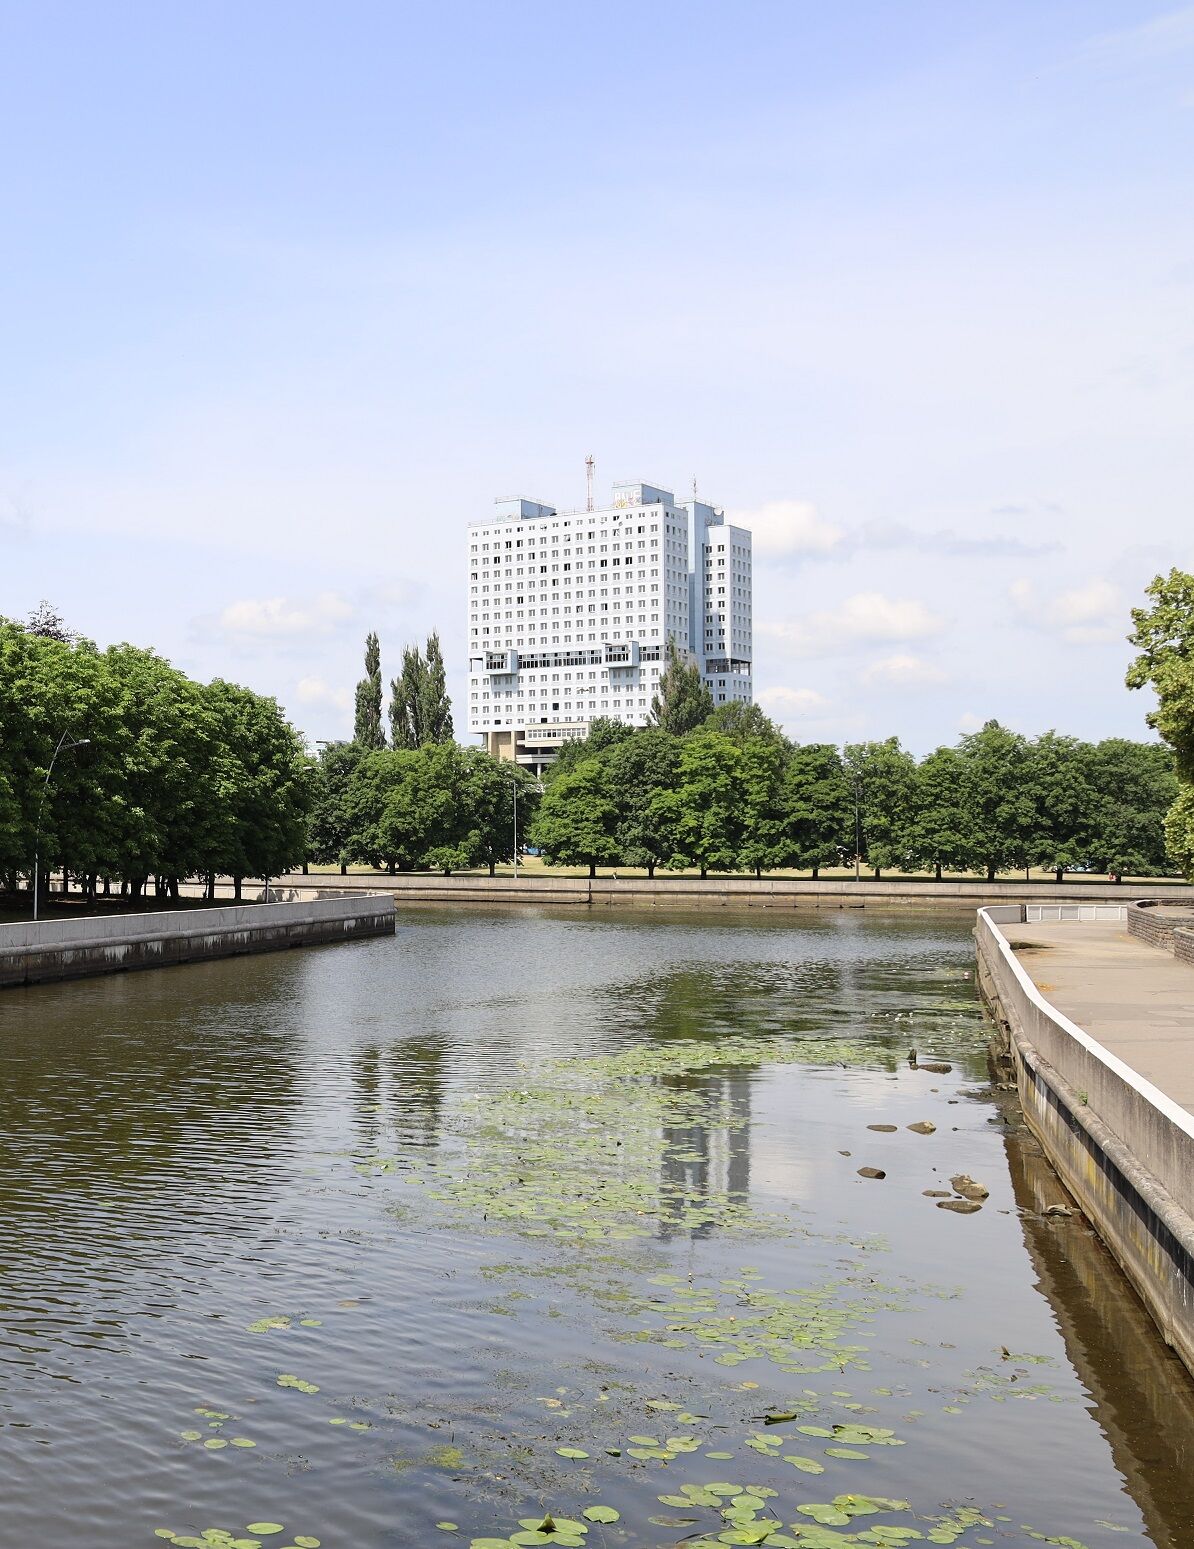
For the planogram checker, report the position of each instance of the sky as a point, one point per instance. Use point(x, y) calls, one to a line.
point(289, 293)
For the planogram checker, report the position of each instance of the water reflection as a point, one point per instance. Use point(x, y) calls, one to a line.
point(1141, 1392)
point(179, 1161)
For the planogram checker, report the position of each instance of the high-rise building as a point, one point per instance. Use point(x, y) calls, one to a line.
point(571, 612)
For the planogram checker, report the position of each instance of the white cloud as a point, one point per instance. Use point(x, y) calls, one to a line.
point(862, 619)
point(1172, 32)
point(1092, 614)
point(787, 704)
point(272, 618)
point(901, 671)
point(970, 722)
point(316, 691)
point(782, 528)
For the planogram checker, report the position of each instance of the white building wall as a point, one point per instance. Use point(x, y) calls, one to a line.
point(570, 613)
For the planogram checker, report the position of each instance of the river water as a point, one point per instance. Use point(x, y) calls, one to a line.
point(422, 1239)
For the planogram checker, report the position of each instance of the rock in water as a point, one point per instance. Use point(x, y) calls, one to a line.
point(871, 1172)
point(965, 1185)
point(923, 1127)
point(935, 1069)
point(963, 1207)
point(884, 1129)
point(935, 1193)
point(1057, 1210)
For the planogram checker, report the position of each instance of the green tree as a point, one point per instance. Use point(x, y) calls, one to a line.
point(330, 831)
point(702, 814)
point(1065, 803)
point(488, 807)
point(818, 808)
point(1164, 636)
point(640, 767)
point(1135, 787)
point(761, 843)
point(420, 710)
point(745, 722)
point(1003, 817)
point(683, 701)
point(577, 820)
point(367, 728)
point(883, 779)
point(603, 733)
point(941, 830)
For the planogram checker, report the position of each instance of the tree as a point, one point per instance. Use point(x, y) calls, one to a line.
point(420, 710)
point(329, 831)
point(1134, 787)
point(603, 733)
point(941, 830)
point(1164, 636)
point(743, 721)
point(46, 621)
point(576, 824)
point(702, 815)
point(818, 808)
point(640, 767)
point(761, 842)
point(883, 779)
point(1002, 810)
point(487, 796)
point(367, 730)
point(1065, 803)
point(683, 701)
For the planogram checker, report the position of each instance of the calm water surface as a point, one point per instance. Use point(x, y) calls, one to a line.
point(430, 1184)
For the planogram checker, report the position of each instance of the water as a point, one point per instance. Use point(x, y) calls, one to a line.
point(372, 1151)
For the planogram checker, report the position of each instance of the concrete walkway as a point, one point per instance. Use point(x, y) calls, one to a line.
point(1136, 1000)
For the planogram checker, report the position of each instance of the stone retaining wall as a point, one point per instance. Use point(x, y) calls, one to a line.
point(675, 892)
point(33, 953)
point(1157, 924)
point(1123, 1149)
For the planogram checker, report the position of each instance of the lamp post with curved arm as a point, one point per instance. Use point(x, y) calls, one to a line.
point(63, 742)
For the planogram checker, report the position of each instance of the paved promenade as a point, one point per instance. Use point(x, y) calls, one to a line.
point(1136, 1000)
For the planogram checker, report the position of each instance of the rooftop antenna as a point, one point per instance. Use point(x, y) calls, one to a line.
point(589, 467)
point(694, 493)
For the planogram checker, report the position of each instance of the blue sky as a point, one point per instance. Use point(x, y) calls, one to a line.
point(289, 293)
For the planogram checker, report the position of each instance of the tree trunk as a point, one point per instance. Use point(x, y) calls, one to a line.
point(306, 870)
point(1057, 873)
point(592, 868)
point(877, 873)
point(704, 872)
point(493, 868)
point(937, 872)
point(816, 872)
point(211, 886)
point(236, 889)
point(650, 868)
point(343, 868)
point(107, 887)
point(136, 886)
point(390, 867)
point(759, 873)
point(990, 871)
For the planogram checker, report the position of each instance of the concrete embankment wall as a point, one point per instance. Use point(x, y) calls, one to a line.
point(33, 953)
point(1123, 1149)
point(671, 892)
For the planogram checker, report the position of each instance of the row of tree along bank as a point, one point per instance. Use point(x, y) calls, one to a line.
point(158, 777)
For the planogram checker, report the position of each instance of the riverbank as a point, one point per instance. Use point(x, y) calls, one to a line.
point(683, 892)
point(1095, 1025)
point(46, 950)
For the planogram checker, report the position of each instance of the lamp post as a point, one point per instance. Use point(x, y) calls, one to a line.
point(63, 742)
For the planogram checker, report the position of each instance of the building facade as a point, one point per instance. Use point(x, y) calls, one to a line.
point(571, 612)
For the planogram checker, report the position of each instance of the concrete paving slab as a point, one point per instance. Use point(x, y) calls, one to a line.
point(1137, 1000)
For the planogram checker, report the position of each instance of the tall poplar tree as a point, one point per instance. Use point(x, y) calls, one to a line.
point(420, 710)
point(367, 729)
point(683, 701)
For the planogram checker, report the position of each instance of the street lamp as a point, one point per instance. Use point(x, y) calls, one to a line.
point(63, 742)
